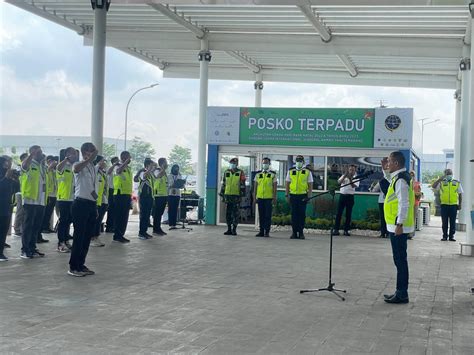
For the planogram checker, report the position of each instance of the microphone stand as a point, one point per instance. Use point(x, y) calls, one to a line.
point(332, 192)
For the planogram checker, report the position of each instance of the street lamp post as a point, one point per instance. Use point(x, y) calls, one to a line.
point(423, 124)
point(126, 110)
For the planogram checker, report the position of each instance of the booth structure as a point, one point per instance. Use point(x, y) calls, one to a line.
point(330, 139)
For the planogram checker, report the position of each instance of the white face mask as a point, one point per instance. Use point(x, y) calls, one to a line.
point(299, 164)
point(265, 166)
point(232, 166)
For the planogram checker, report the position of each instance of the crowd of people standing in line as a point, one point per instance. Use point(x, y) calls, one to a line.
point(82, 192)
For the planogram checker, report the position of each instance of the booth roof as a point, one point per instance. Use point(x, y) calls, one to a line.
point(355, 42)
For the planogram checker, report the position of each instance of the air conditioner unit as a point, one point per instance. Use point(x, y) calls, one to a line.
point(419, 219)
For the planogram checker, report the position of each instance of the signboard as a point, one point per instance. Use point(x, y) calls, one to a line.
point(393, 128)
point(321, 127)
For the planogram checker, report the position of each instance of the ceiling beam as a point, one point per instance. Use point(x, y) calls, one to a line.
point(348, 64)
point(323, 31)
point(245, 60)
point(179, 19)
point(142, 55)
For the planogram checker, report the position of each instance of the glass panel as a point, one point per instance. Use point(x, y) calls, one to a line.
point(338, 165)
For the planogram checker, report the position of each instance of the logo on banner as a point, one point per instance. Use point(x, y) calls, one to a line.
point(392, 122)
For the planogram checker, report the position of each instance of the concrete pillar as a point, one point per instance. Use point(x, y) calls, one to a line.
point(258, 85)
point(457, 131)
point(204, 59)
point(98, 76)
point(468, 184)
point(465, 106)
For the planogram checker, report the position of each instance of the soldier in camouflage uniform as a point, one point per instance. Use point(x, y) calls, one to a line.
point(233, 188)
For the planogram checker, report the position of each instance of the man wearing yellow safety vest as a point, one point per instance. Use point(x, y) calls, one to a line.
point(102, 199)
point(450, 193)
point(160, 194)
point(299, 186)
point(109, 223)
point(65, 197)
point(123, 186)
point(398, 210)
point(265, 191)
point(35, 196)
point(51, 162)
point(145, 179)
point(232, 189)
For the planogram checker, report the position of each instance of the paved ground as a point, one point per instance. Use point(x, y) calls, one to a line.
point(203, 292)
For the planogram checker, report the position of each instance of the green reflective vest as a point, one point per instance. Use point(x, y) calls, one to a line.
point(265, 184)
point(160, 186)
point(232, 182)
point(390, 206)
point(299, 181)
point(123, 184)
point(448, 192)
point(103, 190)
point(30, 183)
point(65, 181)
point(51, 186)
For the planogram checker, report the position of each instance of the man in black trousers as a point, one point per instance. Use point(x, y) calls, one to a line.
point(346, 200)
point(109, 224)
point(123, 187)
point(84, 210)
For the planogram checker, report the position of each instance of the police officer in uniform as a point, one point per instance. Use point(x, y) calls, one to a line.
point(102, 199)
point(160, 195)
point(123, 186)
point(65, 197)
point(145, 179)
point(299, 184)
point(450, 193)
point(35, 196)
point(233, 188)
point(52, 187)
point(265, 196)
point(398, 210)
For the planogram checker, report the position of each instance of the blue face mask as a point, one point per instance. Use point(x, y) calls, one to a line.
point(449, 177)
point(232, 166)
point(299, 164)
point(266, 166)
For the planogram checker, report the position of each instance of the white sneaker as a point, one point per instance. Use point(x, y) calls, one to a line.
point(62, 248)
point(95, 242)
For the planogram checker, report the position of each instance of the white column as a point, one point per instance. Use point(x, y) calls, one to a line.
point(468, 196)
point(465, 106)
point(204, 59)
point(98, 77)
point(258, 85)
point(457, 131)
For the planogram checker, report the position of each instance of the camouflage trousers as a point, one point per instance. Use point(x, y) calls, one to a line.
point(232, 215)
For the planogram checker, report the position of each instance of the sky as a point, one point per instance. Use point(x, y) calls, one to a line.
point(46, 75)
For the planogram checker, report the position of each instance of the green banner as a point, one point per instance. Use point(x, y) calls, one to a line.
point(331, 127)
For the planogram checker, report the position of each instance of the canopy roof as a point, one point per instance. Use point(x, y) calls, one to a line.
point(414, 43)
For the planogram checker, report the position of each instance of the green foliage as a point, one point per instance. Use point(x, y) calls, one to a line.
point(431, 176)
point(373, 215)
point(282, 207)
point(108, 150)
point(181, 156)
point(323, 223)
point(139, 151)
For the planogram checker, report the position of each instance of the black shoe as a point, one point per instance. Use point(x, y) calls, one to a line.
point(162, 232)
point(335, 232)
point(259, 234)
point(87, 271)
point(228, 232)
point(234, 231)
point(452, 239)
point(3, 257)
point(388, 296)
point(122, 240)
point(444, 239)
point(301, 236)
point(347, 234)
point(109, 230)
point(7, 245)
point(267, 235)
point(37, 253)
point(149, 236)
point(396, 299)
point(42, 240)
point(47, 231)
point(294, 236)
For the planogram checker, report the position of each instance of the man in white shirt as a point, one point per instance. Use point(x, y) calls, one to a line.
point(84, 209)
point(398, 208)
point(346, 200)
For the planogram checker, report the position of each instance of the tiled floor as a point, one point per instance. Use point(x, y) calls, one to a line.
point(203, 292)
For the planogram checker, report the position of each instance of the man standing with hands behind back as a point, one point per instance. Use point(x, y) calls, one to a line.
point(84, 209)
point(265, 195)
point(398, 209)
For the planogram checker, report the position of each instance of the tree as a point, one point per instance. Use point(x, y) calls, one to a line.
point(139, 151)
point(109, 151)
point(181, 156)
point(429, 176)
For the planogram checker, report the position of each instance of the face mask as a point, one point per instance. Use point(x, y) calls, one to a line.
point(449, 177)
point(265, 166)
point(232, 166)
point(299, 164)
